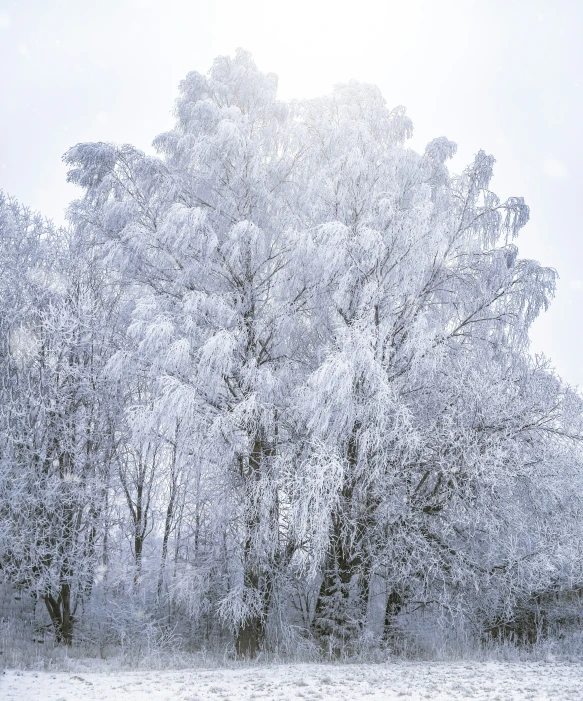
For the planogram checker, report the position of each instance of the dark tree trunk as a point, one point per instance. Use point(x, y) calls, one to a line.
point(140, 525)
point(342, 600)
point(334, 621)
point(249, 640)
point(60, 614)
point(67, 618)
point(166, 537)
point(394, 605)
point(169, 514)
point(250, 634)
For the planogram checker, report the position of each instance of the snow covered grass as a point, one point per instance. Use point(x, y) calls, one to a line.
point(494, 681)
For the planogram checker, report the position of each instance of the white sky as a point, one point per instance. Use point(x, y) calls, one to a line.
point(502, 75)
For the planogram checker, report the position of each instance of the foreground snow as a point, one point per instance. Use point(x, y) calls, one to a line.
point(435, 681)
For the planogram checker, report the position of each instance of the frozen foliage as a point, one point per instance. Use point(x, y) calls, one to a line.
point(273, 388)
point(54, 433)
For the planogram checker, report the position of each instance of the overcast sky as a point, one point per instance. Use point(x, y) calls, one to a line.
point(502, 75)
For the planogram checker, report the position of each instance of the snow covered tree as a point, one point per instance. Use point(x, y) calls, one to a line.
point(328, 350)
point(205, 234)
point(54, 437)
point(418, 271)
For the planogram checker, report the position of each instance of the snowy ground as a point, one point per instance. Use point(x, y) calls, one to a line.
point(355, 682)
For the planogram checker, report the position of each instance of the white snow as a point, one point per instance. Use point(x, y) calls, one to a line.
point(350, 682)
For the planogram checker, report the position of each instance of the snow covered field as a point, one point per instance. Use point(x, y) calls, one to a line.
point(435, 681)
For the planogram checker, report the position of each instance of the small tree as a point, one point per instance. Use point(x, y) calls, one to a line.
point(53, 455)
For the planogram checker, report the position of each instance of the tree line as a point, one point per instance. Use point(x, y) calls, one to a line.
point(279, 373)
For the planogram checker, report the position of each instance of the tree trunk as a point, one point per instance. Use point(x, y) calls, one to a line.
point(139, 534)
point(334, 623)
point(394, 605)
point(138, 544)
point(169, 512)
point(250, 633)
point(341, 607)
point(166, 537)
point(250, 638)
point(60, 614)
